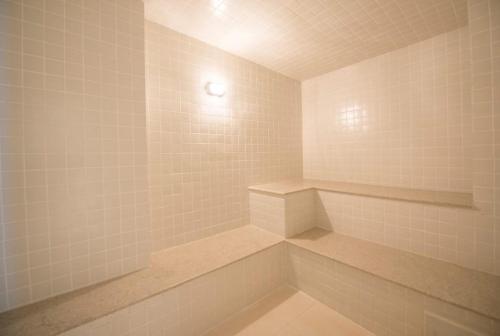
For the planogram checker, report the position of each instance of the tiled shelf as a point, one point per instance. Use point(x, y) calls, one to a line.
point(469, 289)
point(440, 198)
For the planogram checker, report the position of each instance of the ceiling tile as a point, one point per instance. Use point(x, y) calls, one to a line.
point(305, 38)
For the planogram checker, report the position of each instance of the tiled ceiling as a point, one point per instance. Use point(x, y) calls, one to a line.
point(305, 38)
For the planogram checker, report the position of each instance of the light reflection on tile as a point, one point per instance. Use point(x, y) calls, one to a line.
point(302, 39)
point(399, 119)
point(205, 150)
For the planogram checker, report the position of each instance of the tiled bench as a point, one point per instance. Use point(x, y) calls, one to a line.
point(437, 224)
point(466, 288)
point(244, 264)
point(382, 306)
point(441, 198)
point(381, 285)
point(193, 287)
point(288, 208)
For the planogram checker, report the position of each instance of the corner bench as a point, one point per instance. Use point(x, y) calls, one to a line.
point(466, 288)
point(169, 268)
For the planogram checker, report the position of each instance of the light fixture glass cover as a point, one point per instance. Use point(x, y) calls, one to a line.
point(215, 89)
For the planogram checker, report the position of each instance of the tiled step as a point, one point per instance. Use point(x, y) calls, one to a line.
point(169, 268)
point(466, 288)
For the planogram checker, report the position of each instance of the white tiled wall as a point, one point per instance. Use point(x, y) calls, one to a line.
point(425, 116)
point(380, 306)
point(74, 159)
point(199, 304)
point(399, 119)
point(205, 151)
point(74, 206)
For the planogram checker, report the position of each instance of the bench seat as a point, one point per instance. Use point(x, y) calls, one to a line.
point(432, 197)
point(169, 268)
point(467, 288)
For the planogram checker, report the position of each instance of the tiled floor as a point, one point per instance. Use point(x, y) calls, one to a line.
point(288, 312)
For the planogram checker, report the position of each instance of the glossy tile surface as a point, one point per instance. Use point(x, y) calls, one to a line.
point(288, 312)
point(204, 151)
point(402, 119)
point(302, 39)
point(423, 117)
point(74, 206)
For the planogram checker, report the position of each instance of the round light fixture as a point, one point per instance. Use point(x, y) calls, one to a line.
point(215, 89)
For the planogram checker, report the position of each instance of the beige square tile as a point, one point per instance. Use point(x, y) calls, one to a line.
point(322, 320)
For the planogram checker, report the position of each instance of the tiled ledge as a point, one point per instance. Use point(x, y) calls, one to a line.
point(469, 289)
point(168, 269)
point(441, 198)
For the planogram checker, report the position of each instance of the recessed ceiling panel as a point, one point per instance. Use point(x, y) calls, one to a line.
point(305, 38)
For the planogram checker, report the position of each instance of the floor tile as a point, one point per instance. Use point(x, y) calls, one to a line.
point(288, 312)
point(321, 320)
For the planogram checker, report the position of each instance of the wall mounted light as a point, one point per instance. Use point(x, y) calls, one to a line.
point(215, 89)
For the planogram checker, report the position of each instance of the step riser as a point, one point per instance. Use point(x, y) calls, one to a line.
point(380, 306)
point(200, 304)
